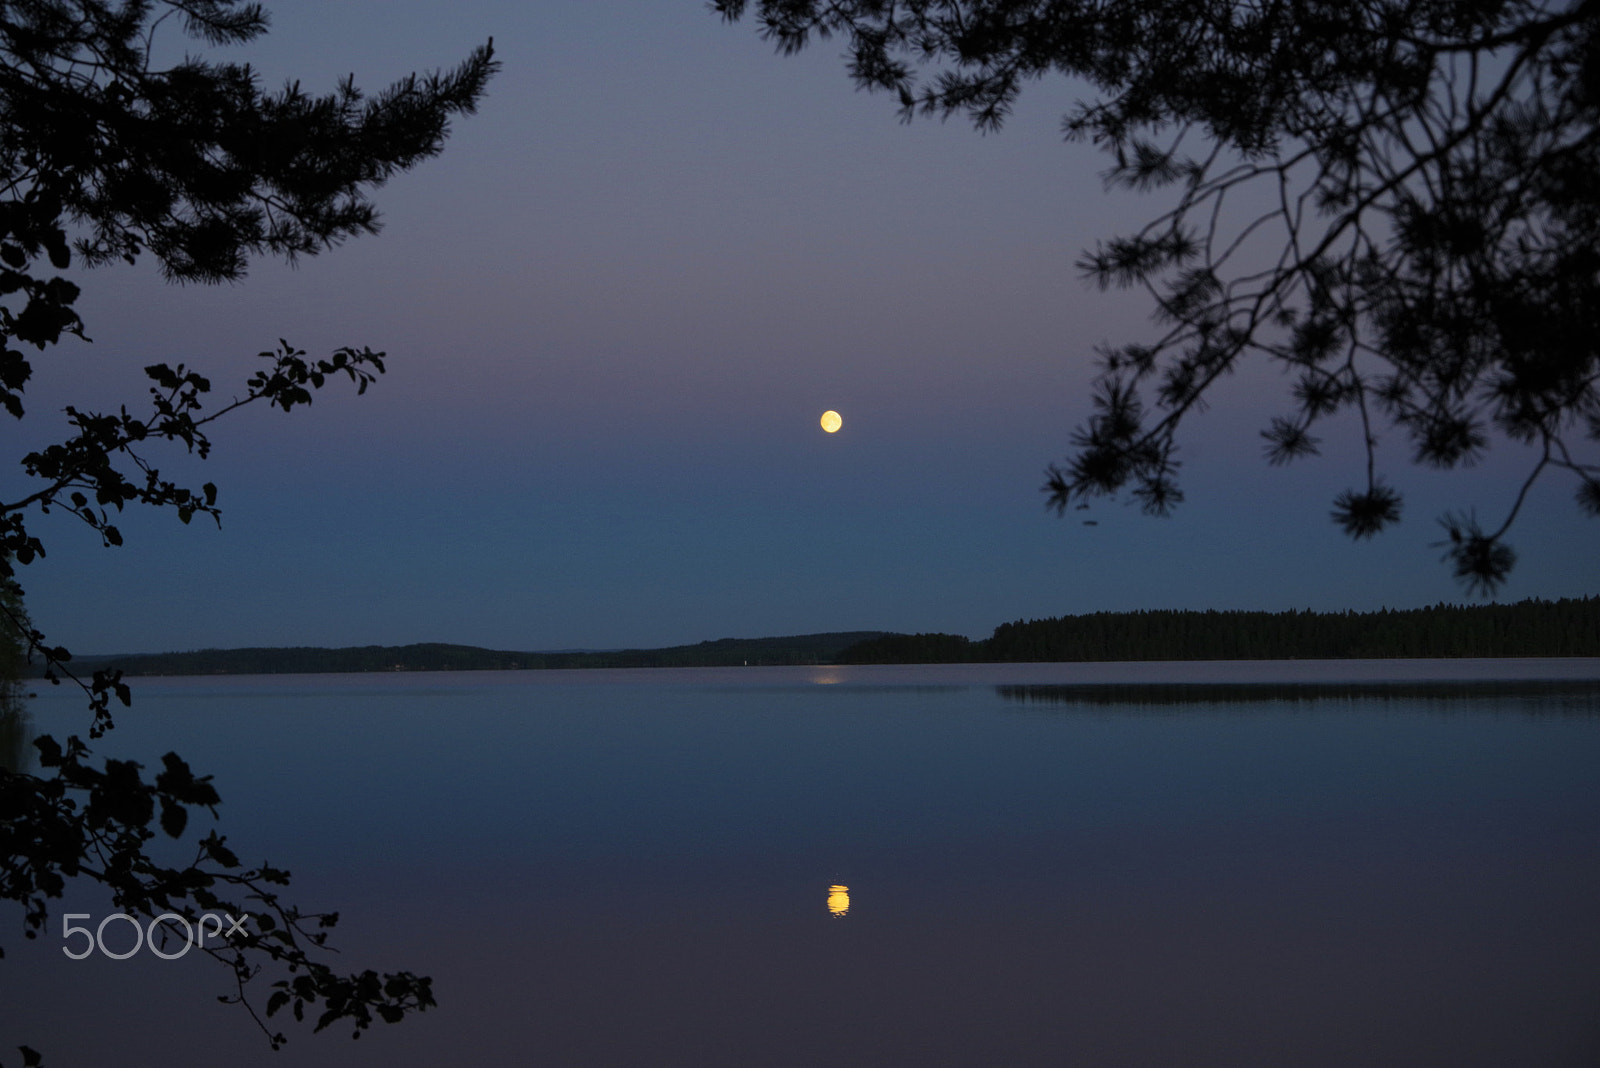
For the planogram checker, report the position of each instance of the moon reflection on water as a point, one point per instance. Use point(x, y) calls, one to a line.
point(838, 900)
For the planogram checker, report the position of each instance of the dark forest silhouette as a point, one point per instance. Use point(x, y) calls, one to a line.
point(1568, 627)
point(799, 649)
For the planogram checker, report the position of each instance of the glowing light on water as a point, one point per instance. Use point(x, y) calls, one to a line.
point(838, 900)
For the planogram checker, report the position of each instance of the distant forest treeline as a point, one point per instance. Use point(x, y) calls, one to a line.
point(725, 652)
point(1568, 627)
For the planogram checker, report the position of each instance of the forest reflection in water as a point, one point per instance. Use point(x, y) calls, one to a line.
point(16, 735)
point(1531, 697)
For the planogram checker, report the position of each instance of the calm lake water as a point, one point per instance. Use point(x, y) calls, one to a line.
point(1209, 864)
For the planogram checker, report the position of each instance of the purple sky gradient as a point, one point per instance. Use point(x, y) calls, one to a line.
point(615, 309)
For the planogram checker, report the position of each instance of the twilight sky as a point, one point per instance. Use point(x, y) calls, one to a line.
point(615, 309)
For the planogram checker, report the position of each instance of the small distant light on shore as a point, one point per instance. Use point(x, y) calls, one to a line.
point(831, 422)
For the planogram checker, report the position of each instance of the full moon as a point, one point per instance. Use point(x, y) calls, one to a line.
point(831, 422)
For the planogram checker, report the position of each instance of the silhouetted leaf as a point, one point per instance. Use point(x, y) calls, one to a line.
point(174, 818)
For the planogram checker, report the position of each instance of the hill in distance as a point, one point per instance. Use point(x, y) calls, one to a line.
point(432, 656)
point(1568, 627)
